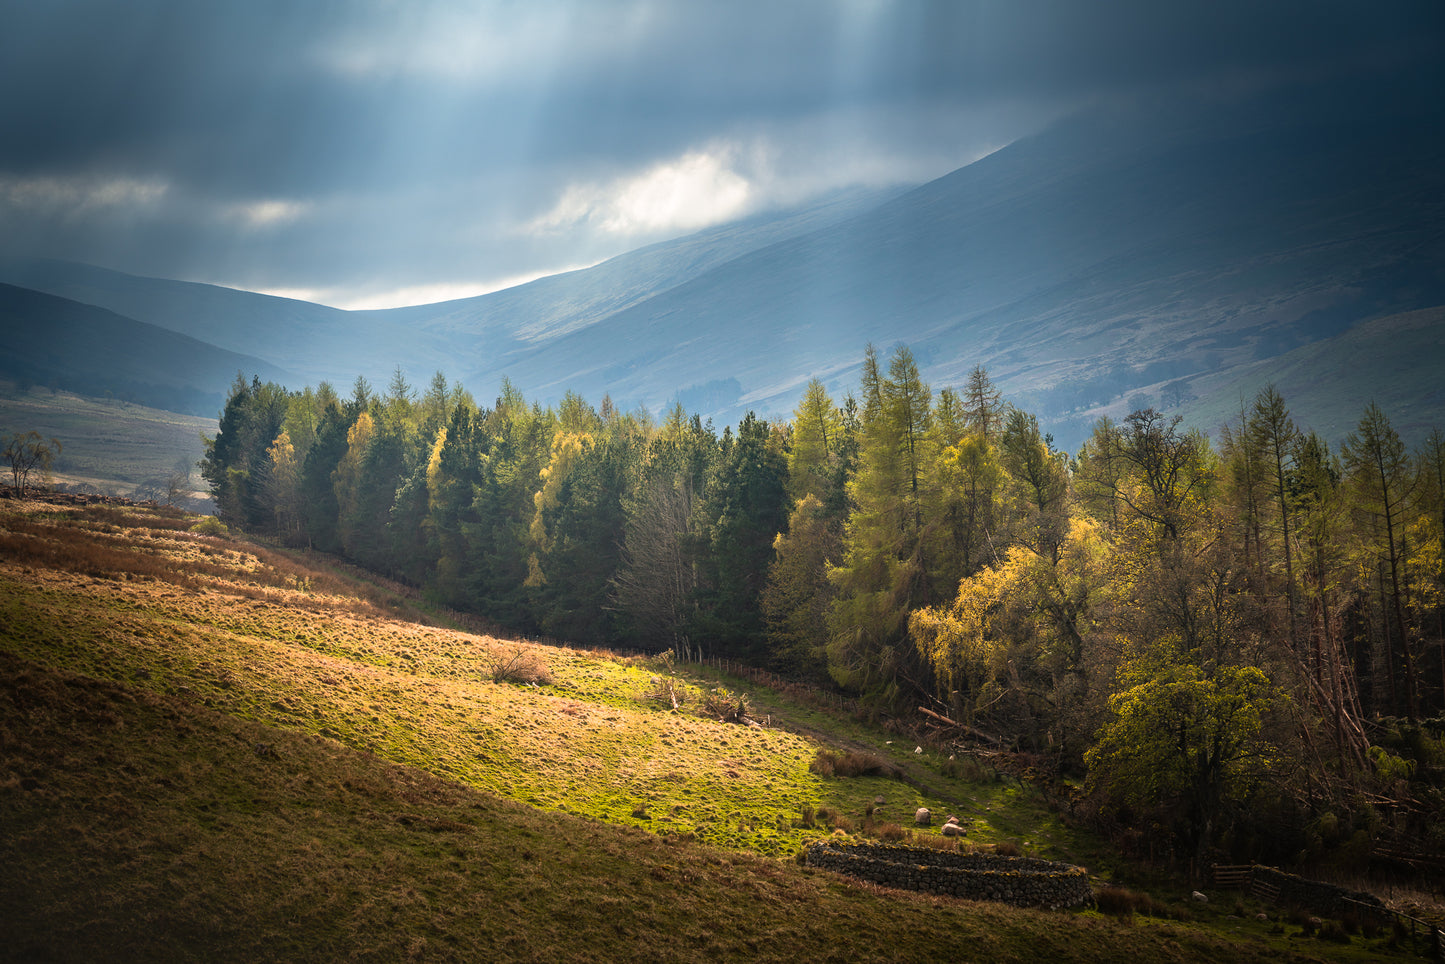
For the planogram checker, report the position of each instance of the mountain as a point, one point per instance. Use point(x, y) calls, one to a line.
point(1089, 268)
point(64, 344)
point(314, 342)
point(474, 339)
point(1116, 259)
point(1393, 361)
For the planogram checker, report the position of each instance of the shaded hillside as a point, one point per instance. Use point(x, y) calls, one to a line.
point(539, 311)
point(67, 345)
point(1386, 360)
point(312, 341)
point(474, 339)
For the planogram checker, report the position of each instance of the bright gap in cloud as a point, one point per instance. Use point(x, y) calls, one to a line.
point(267, 214)
point(695, 190)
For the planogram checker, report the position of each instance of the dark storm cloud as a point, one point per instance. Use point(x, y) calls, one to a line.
point(236, 131)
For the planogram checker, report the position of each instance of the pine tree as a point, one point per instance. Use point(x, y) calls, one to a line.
point(744, 510)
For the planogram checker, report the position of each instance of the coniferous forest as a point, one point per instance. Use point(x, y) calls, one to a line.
point(1226, 648)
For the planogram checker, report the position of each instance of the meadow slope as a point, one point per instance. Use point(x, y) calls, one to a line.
point(214, 750)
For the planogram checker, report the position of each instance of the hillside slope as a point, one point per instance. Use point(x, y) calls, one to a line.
point(109, 445)
point(1081, 267)
point(311, 342)
point(47, 340)
point(213, 751)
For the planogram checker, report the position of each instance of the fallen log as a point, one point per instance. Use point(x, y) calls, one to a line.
point(964, 727)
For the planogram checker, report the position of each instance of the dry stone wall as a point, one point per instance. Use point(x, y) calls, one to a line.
point(1020, 881)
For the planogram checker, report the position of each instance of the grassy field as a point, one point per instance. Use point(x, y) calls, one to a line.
point(108, 446)
point(214, 750)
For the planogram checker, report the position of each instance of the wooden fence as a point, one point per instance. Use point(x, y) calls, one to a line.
point(1432, 937)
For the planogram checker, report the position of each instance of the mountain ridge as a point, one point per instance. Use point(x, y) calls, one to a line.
point(49, 340)
point(1109, 261)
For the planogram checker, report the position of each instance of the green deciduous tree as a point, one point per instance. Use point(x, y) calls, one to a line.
point(1184, 748)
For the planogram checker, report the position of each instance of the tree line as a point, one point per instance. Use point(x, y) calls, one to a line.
point(1240, 647)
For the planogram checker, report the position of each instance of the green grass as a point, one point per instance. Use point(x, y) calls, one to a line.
point(213, 750)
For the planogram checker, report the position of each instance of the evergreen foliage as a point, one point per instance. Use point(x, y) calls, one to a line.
point(1190, 627)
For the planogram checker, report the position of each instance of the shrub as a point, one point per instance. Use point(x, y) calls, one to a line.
point(829, 763)
point(210, 526)
point(725, 705)
point(521, 665)
point(890, 832)
point(1123, 902)
point(1116, 901)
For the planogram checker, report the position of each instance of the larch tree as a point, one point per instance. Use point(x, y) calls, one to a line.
point(798, 595)
point(815, 451)
point(883, 574)
point(1038, 484)
point(1275, 434)
point(983, 403)
point(1381, 479)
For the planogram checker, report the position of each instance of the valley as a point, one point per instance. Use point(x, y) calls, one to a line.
point(1113, 261)
point(213, 749)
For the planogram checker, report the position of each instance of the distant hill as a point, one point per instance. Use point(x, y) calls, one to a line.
point(313, 342)
point(1089, 268)
point(55, 342)
point(1393, 361)
point(1135, 258)
point(474, 339)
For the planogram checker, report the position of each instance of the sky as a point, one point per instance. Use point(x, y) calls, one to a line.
point(373, 153)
